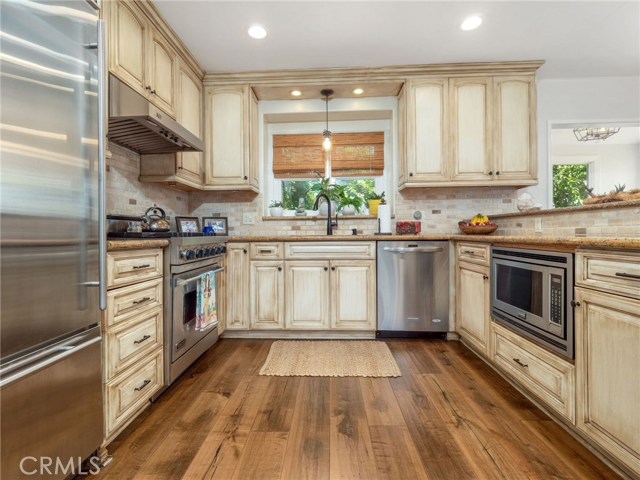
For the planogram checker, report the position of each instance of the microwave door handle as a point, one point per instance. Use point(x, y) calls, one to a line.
point(522, 315)
point(186, 281)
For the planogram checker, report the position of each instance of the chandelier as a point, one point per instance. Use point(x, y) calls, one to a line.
point(586, 134)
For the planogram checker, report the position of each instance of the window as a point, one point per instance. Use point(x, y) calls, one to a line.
point(294, 190)
point(570, 184)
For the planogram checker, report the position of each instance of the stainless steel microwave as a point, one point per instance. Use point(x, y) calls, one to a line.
point(532, 292)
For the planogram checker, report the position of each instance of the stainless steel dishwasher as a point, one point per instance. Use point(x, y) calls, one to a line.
point(413, 289)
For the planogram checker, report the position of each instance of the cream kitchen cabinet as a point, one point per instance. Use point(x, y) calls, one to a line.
point(266, 289)
point(547, 376)
point(607, 332)
point(307, 296)
point(141, 56)
point(237, 282)
point(473, 317)
point(182, 170)
point(467, 131)
point(133, 336)
point(231, 138)
point(352, 285)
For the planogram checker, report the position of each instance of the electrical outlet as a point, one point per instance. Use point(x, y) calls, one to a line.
point(537, 225)
point(248, 218)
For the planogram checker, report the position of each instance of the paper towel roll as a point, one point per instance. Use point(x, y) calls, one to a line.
point(384, 217)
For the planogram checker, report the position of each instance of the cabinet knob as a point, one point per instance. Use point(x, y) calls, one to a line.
point(244, 250)
point(279, 269)
point(486, 277)
point(575, 304)
point(333, 268)
point(497, 173)
point(148, 88)
point(246, 178)
point(326, 268)
point(153, 91)
point(490, 172)
point(411, 174)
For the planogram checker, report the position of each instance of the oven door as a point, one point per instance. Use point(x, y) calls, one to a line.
point(522, 290)
point(185, 300)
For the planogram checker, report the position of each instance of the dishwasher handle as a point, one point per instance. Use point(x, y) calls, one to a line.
point(413, 249)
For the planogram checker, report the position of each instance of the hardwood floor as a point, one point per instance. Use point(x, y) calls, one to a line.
point(448, 417)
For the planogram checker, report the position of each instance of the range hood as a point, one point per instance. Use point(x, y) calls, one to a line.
point(137, 124)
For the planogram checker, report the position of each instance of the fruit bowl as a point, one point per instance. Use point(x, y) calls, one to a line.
point(477, 229)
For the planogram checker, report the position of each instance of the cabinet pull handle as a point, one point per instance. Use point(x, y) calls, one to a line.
point(142, 340)
point(517, 360)
point(469, 252)
point(326, 268)
point(142, 300)
point(144, 384)
point(628, 275)
point(144, 265)
point(264, 251)
point(575, 304)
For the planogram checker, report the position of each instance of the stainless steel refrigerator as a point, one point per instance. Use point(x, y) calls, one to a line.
point(51, 236)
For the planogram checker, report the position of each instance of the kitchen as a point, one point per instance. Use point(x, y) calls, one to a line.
point(497, 137)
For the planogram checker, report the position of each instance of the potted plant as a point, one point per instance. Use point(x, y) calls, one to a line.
point(374, 201)
point(275, 208)
point(350, 203)
point(331, 190)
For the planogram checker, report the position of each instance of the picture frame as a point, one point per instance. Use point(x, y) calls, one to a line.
point(219, 225)
point(188, 225)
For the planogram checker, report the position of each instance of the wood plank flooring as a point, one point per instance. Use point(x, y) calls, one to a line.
point(449, 416)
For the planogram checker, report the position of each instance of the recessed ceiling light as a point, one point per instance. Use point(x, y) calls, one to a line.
point(358, 91)
point(257, 31)
point(471, 23)
point(295, 93)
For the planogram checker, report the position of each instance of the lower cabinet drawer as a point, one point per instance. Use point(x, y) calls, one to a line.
point(130, 391)
point(125, 346)
point(544, 374)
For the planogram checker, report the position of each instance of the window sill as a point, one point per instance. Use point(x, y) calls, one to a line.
point(315, 218)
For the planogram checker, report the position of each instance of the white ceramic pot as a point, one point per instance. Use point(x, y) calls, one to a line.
point(322, 209)
point(276, 211)
point(349, 210)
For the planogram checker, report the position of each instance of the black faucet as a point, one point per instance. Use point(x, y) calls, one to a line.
point(330, 223)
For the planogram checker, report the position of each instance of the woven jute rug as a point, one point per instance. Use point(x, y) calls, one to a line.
point(330, 358)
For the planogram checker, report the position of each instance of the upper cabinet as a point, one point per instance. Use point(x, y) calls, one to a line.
point(189, 115)
point(141, 56)
point(231, 137)
point(466, 131)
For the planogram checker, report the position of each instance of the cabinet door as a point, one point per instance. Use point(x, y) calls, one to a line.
point(267, 295)
point(226, 126)
point(515, 128)
point(237, 286)
point(470, 102)
point(253, 141)
point(353, 295)
point(127, 39)
point(402, 137)
point(607, 329)
point(162, 72)
point(307, 295)
point(189, 115)
point(472, 305)
point(427, 146)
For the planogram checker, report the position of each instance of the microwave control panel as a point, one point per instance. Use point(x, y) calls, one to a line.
point(556, 300)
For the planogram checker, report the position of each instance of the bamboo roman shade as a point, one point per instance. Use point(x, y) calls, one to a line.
point(352, 155)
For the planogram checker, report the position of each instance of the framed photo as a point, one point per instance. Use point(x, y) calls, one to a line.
point(188, 224)
point(219, 224)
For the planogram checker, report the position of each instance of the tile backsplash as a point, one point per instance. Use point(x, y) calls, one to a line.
point(441, 208)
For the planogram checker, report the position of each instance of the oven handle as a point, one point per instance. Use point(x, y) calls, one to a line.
point(180, 283)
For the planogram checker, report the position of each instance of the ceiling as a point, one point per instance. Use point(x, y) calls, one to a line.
point(576, 39)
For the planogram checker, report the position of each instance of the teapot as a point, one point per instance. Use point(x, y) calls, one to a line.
point(154, 220)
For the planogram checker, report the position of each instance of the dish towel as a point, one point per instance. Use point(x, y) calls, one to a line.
point(206, 308)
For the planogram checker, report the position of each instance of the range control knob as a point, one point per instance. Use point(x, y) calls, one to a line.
point(223, 249)
point(208, 251)
point(184, 254)
point(200, 253)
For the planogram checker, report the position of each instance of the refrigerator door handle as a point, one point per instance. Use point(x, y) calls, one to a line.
point(102, 159)
point(32, 364)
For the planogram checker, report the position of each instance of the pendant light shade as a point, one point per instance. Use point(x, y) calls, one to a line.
point(326, 134)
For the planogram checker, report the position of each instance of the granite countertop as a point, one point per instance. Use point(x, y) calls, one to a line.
point(131, 244)
point(559, 242)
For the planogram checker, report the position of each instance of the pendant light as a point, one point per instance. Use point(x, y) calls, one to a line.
point(326, 135)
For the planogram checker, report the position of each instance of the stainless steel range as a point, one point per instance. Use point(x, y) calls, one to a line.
point(189, 258)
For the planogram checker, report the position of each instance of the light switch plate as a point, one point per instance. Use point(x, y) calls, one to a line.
point(537, 225)
point(248, 218)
